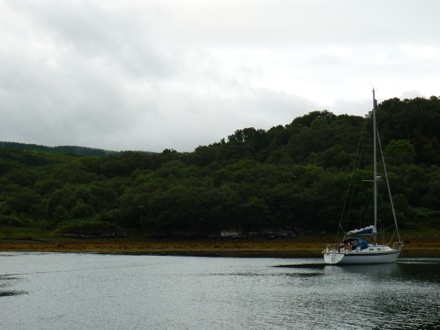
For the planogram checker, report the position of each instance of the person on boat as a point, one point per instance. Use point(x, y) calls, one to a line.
point(340, 246)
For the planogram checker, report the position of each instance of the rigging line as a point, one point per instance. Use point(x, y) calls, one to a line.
point(392, 236)
point(349, 192)
point(388, 187)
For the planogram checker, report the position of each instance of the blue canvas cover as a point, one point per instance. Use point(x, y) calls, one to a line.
point(363, 244)
point(368, 231)
point(356, 242)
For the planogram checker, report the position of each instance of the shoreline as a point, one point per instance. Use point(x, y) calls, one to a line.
point(277, 248)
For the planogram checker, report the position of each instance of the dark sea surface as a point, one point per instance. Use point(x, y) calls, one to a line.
point(91, 291)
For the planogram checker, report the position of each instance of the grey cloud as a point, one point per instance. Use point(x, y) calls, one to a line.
point(187, 121)
point(120, 37)
point(289, 24)
point(168, 74)
point(411, 94)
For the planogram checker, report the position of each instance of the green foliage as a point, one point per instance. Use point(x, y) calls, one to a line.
point(73, 150)
point(292, 178)
point(89, 229)
point(400, 152)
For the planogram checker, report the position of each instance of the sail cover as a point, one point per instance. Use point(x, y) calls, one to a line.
point(368, 231)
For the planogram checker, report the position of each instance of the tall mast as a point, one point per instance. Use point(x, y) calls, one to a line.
point(374, 158)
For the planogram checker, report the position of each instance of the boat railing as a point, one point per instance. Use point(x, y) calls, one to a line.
point(338, 248)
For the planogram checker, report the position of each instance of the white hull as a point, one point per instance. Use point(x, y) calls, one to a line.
point(359, 257)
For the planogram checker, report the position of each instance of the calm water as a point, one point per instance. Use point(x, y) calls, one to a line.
point(87, 291)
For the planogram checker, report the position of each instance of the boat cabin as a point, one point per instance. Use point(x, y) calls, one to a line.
point(353, 243)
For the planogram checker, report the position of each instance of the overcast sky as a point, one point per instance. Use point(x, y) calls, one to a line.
point(156, 74)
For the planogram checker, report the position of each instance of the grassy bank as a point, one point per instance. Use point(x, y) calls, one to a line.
point(421, 242)
point(306, 246)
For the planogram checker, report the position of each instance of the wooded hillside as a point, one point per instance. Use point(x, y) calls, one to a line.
point(283, 181)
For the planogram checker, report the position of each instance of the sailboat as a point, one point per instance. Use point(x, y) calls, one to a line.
point(355, 247)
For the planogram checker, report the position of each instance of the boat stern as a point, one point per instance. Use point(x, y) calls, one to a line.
point(333, 258)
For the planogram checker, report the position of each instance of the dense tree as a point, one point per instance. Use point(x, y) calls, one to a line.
point(291, 177)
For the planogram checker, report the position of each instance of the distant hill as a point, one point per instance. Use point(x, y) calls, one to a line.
point(73, 150)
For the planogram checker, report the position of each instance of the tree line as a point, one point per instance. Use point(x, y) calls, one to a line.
point(283, 181)
point(74, 150)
